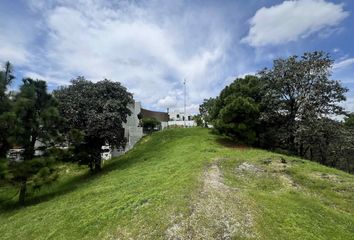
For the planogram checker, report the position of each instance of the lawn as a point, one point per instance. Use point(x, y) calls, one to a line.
point(187, 183)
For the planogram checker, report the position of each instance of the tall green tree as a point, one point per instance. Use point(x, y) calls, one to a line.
point(199, 120)
point(205, 110)
point(6, 118)
point(298, 91)
point(36, 128)
point(96, 111)
point(236, 111)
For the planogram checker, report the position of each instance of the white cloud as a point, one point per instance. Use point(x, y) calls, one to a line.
point(149, 53)
point(343, 64)
point(14, 43)
point(168, 102)
point(190, 109)
point(14, 54)
point(292, 20)
point(348, 105)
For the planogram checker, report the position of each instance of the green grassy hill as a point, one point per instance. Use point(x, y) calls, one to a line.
point(188, 184)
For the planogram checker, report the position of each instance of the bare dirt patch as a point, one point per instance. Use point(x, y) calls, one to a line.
point(272, 168)
point(217, 212)
point(326, 176)
point(250, 168)
point(288, 182)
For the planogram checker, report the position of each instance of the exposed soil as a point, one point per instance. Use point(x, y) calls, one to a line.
point(217, 212)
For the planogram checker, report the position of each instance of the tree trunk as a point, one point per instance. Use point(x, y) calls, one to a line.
point(30, 148)
point(291, 126)
point(98, 162)
point(98, 166)
point(91, 166)
point(301, 149)
point(292, 143)
point(21, 198)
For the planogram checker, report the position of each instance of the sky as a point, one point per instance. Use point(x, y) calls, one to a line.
point(152, 46)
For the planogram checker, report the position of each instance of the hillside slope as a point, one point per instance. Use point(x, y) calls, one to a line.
point(188, 184)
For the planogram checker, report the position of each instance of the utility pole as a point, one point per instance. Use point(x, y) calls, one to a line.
point(185, 102)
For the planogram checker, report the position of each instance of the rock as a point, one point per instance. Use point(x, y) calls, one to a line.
point(247, 167)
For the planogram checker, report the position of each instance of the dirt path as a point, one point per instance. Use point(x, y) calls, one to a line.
point(217, 212)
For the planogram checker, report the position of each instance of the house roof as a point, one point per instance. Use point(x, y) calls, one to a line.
point(160, 116)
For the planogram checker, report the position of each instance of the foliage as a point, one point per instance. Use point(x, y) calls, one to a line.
point(6, 77)
point(36, 122)
point(299, 91)
point(328, 142)
point(349, 121)
point(205, 110)
point(236, 111)
point(6, 118)
point(288, 108)
point(199, 120)
point(299, 98)
point(3, 171)
point(96, 112)
point(37, 117)
point(150, 124)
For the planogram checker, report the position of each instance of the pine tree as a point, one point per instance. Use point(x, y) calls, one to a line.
point(37, 122)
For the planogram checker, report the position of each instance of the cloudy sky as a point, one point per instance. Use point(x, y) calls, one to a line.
point(151, 46)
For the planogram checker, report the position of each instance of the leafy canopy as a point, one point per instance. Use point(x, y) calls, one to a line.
point(236, 111)
point(96, 113)
point(36, 128)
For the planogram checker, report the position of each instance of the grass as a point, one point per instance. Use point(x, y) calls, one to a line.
point(141, 194)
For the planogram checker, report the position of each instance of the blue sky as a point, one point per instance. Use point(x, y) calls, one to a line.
point(151, 46)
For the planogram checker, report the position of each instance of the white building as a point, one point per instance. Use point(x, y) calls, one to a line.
point(181, 119)
point(132, 132)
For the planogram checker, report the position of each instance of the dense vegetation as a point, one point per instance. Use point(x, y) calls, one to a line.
point(291, 107)
point(70, 125)
point(94, 114)
point(150, 124)
point(187, 183)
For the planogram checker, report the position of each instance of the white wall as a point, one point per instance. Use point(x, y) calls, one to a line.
point(181, 123)
point(173, 116)
point(164, 125)
point(132, 131)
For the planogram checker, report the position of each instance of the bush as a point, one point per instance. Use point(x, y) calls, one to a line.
point(150, 125)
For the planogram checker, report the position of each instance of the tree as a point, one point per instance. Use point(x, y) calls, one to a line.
point(236, 110)
point(96, 112)
point(199, 120)
point(6, 118)
point(349, 121)
point(299, 91)
point(329, 142)
point(6, 77)
point(150, 124)
point(37, 123)
point(205, 110)
point(238, 119)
